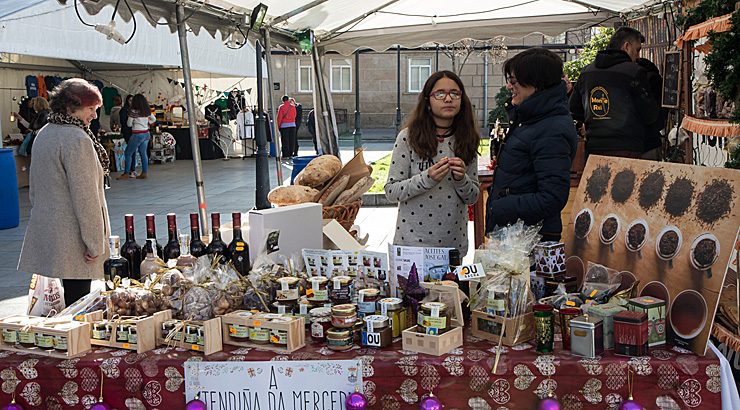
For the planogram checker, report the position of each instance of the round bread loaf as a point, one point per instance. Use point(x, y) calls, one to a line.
point(291, 195)
point(320, 170)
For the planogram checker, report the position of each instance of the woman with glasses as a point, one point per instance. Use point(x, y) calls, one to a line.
point(532, 177)
point(433, 174)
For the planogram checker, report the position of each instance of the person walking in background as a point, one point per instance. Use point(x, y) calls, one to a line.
point(140, 118)
point(68, 227)
point(115, 114)
point(434, 167)
point(123, 118)
point(298, 121)
point(286, 124)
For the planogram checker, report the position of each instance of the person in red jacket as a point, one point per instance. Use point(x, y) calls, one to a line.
point(286, 116)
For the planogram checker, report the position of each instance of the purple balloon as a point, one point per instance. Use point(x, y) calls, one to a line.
point(100, 406)
point(12, 406)
point(630, 405)
point(549, 404)
point(356, 401)
point(430, 403)
point(195, 404)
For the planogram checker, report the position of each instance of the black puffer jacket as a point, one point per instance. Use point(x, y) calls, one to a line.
point(612, 98)
point(532, 177)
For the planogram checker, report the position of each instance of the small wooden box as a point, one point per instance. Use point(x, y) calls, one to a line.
point(211, 328)
point(77, 333)
point(146, 331)
point(295, 328)
point(489, 328)
point(438, 345)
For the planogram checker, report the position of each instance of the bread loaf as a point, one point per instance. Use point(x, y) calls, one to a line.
point(356, 192)
point(318, 171)
point(334, 190)
point(291, 195)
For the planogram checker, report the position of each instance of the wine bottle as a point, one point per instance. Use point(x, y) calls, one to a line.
point(172, 249)
point(152, 263)
point(197, 247)
point(131, 250)
point(151, 233)
point(115, 265)
point(238, 249)
point(217, 247)
point(185, 259)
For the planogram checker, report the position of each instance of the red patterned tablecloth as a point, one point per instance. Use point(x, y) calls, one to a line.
point(394, 378)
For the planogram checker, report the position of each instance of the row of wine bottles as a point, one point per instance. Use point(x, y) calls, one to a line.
point(134, 261)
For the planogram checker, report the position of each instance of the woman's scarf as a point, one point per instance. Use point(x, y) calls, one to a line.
point(66, 119)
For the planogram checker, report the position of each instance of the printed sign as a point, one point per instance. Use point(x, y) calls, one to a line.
point(468, 272)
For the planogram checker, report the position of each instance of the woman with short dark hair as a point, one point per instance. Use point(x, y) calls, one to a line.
point(68, 227)
point(532, 178)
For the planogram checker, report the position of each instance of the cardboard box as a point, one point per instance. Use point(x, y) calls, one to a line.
point(517, 330)
point(299, 226)
point(146, 331)
point(438, 345)
point(295, 328)
point(212, 334)
point(77, 334)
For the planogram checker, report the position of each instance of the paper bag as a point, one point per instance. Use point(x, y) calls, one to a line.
point(44, 295)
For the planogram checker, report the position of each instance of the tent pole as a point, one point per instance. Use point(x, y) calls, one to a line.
point(485, 91)
point(358, 125)
point(273, 114)
point(436, 58)
point(197, 167)
point(263, 168)
point(398, 88)
point(332, 139)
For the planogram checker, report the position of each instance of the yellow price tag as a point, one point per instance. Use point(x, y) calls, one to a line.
point(309, 291)
point(195, 347)
point(126, 346)
point(570, 303)
point(649, 301)
point(232, 330)
point(593, 293)
point(257, 323)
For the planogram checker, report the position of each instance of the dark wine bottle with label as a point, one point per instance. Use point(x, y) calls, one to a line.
point(131, 250)
point(217, 247)
point(115, 265)
point(172, 249)
point(197, 247)
point(151, 233)
point(238, 249)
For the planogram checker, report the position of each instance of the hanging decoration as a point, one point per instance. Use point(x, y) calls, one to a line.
point(356, 401)
point(12, 405)
point(196, 404)
point(630, 403)
point(101, 404)
point(550, 402)
point(430, 402)
point(496, 50)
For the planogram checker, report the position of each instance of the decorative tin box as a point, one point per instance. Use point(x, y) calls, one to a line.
point(606, 314)
point(550, 258)
point(586, 336)
point(656, 310)
point(631, 333)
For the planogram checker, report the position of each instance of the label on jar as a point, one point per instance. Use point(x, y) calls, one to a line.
point(317, 330)
point(435, 311)
point(281, 309)
point(44, 341)
point(340, 293)
point(10, 336)
point(370, 339)
point(495, 306)
point(339, 342)
point(27, 337)
point(384, 309)
point(365, 307)
point(191, 337)
point(239, 331)
point(287, 294)
point(337, 284)
point(258, 334)
point(279, 337)
point(284, 285)
point(60, 342)
point(99, 334)
point(133, 338)
point(320, 295)
point(434, 322)
point(302, 309)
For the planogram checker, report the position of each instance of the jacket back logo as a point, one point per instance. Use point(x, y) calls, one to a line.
point(598, 102)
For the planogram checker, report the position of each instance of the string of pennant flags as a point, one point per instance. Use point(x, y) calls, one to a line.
point(205, 92)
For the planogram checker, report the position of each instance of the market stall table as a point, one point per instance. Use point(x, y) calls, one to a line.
point(394, 378)
point(184, 150)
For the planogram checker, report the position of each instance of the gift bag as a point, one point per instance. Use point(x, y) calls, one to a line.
point(44, 295)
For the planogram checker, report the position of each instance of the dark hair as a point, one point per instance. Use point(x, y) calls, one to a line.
point(535, 67)
point(117, 100)
point(73, 94)
point(423, 132)
point(285, 98)
point(126, 102)
point(140, 106)
point(623, 35)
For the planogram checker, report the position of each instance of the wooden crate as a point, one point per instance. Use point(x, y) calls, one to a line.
point(146, 331)
point(296, 329)
point(77, 333)
point(489, 328)
point(212, 334)
point(438, 345)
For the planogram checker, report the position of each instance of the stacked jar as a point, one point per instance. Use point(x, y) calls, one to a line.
point(341, 290)
point(167, 328)
point(320, 323)
point(279, 337)
point(377, 332)
point(433, 318)
point(344, 316)
point(339, 339)
point(393, 308)
point(290, 290)
point(366, 302)
point(318, 292)
point(240, 332)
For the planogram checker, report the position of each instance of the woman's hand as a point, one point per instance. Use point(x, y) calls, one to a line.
point(89, 258)
point(438, 171)
point(457, 166)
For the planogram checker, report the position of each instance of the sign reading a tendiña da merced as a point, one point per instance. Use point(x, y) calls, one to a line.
point(282, 385)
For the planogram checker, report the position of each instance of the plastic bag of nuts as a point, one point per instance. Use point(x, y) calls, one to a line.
point(197, 304)
point(122, 302)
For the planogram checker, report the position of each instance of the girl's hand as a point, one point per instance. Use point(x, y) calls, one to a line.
point(457, 166)
point(438, 171)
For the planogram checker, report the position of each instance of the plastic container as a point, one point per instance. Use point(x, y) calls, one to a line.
point(9, 202)
point(298, 164)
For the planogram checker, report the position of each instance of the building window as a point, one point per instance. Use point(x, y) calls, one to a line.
point(419, 70)
point(340, 76)
point(305, 77)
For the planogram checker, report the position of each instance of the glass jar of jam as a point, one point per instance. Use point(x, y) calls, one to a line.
point(279, 337)
point(133, 335)
point(393, 308)
point(377, 331)
point(201, 338)
point(339, 339)
point(289, 289)
point(191, 334)
point(27, 338)
point(60, 343)
point(169, 327)
point(259, 334)
point(341, 287)
point(122, 333)
point(10, 336)
point(433, 318)
point(320, 323)
point(318, 292)
point(343, 316)
point(240, 332)
point(44, 341)
point(100, 331)
point(367, 301)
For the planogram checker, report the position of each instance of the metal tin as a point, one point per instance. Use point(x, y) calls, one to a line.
point(606, 313)
point(586, 336)
point(656, 313)
point(631, 334)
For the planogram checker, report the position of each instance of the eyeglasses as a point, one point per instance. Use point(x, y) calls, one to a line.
point(511, 80)
point(442, 94)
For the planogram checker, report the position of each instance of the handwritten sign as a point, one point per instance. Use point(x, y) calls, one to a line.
point(288, 385)
point(468, 272)
point(671, 79)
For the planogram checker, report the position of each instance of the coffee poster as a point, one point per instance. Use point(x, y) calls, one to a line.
point(672, 227)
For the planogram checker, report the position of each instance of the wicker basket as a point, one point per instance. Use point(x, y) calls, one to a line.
point(344, 214)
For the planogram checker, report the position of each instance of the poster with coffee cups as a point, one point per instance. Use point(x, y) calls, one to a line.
point(670, 226)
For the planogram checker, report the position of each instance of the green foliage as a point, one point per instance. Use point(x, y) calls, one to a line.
point(499, 113)
point(723, 64)
point(597, 43)
point(704, 11)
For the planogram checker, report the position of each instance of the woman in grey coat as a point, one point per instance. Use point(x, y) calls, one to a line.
point(66, 235)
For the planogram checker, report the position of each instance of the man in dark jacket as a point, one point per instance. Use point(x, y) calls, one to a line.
point(532, 178)
point(612, 98)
